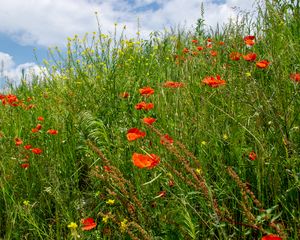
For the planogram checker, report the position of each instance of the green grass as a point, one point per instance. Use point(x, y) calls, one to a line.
point(205, 186)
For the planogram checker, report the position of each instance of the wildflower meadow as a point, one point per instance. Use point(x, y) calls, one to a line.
point(183, 135)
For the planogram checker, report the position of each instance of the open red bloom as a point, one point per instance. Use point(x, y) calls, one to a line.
point(250, 57)
point(146, 91)
point(24, 165)
point(134, 133)
point(52, 131)
point(252, 156)
point(185, 50)
point(249, 40)
point(170, 84)
point(213, 53)
point(40, 118)
point(27, 147)
point(214, 82)
point(18, 141)
point(295, 77)
point(195, 41)
point(144, 106)
point(145, 161)
point(166, 139)
point(149, 120)
point(235, 56)
point(36, 150)
point(262, 64)
point(271, 237)
point(88, 224)
point(199, 48)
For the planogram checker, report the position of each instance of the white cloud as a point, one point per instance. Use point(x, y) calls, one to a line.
point(6, 61)
point(12, 73)
point(50, 22)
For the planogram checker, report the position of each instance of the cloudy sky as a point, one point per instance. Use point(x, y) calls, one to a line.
point(39, 24)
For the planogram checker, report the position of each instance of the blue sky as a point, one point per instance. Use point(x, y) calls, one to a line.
point(40, 24)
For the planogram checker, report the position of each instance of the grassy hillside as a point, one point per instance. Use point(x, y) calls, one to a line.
point(181, 136)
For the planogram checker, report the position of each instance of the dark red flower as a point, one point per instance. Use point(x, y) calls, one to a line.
point(134, 133)
point(145, 161)
point(40, 118)
point(88, 224)
point(200, 48)
point(213, 53)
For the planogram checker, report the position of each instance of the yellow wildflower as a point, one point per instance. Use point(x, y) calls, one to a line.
point(123, 225)
point(72, 225)
point(105, 219)
point(110, 201)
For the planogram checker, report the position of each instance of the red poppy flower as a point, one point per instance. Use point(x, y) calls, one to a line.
point(252, 156)
point(149, 120)
point(88, 224)
point(38, 127)
point(52, 131)
point(213, 53)
point(12, 100)
point(249, 40)
point(18, 141)
point(170, 84)
point(24, 165)
point(145, 161)
point(36, 150)
point(166, 139)
point(262, 64)
point(124, 95)
point(146, 91)
point(214, 82)
point(235, 56)
point(209, 40)
point(195, 41)
point(27, 147)
point(250, 57)
point(271, 237)
point(221, 43)
point(185, 50)
point(295, 77)
point(134, 133)
point(144, 106)
point(40, 118)
point(200, 48)
point(34, 130)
